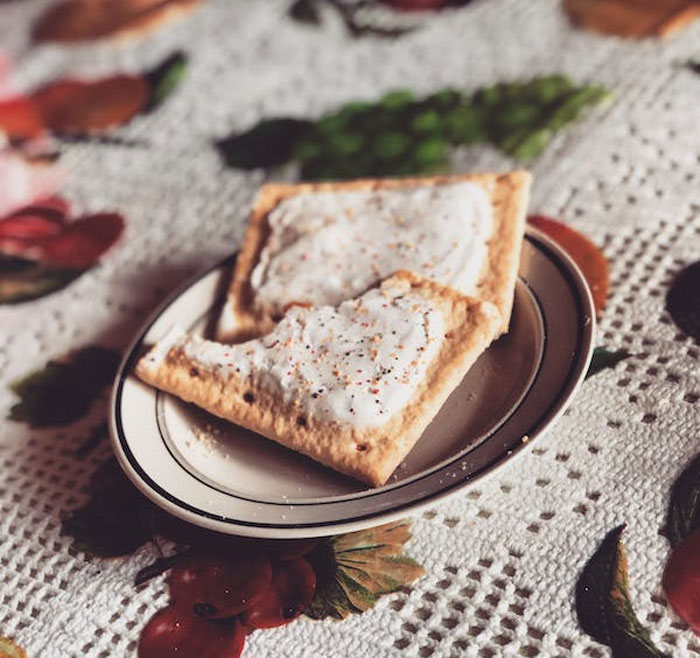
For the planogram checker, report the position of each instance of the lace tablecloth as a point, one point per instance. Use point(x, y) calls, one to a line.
point(502, 560)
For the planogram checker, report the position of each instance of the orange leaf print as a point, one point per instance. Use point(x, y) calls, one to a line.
point(70, 107)
point(633, 18)
point(584, 253)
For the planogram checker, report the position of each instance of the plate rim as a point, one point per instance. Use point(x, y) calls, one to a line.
point(552, 411)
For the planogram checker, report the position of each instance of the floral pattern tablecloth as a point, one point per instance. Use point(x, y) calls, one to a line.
point(115, 189)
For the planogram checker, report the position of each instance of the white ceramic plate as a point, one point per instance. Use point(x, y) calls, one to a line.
point(218, 475)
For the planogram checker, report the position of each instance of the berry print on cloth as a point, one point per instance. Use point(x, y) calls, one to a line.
point(222, 584)
point(42, 250)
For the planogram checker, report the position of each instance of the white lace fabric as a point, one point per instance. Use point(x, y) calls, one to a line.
point(501, 560)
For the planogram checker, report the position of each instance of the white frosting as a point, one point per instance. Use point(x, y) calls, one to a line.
point(326, 247)
point(358, 363)
point(159, 352)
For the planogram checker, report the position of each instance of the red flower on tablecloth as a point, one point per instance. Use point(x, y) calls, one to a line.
point(42, 248)
point(43, 233)
point(72, 107)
